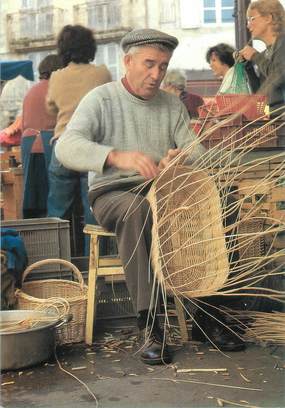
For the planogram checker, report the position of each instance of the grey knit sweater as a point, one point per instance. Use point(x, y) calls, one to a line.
point(109, 118)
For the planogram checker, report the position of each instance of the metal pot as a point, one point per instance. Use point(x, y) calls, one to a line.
point(26, 347)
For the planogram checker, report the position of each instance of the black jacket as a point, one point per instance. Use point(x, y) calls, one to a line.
point(271, 65)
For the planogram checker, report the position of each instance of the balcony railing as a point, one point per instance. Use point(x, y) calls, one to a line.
point(32, 28)
point(101, 16)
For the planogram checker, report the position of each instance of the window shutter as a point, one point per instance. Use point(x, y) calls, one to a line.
point(191, 13)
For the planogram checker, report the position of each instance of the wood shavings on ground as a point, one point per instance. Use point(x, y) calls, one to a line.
point(221, 402)
point(7, 383)
point(206, 383)
point(201, 370)
point(78, 368)
point(101, 377)
point(121, 342)
point(244, 377)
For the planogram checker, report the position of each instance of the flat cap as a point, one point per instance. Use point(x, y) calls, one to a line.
point(147, 36)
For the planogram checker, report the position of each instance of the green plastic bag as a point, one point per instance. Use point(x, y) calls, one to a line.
point(238, 82)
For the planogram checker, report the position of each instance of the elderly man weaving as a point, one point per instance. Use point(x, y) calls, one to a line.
point(123, 133)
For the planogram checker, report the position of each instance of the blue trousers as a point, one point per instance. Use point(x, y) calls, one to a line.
point(64, 185)
point(35, 166)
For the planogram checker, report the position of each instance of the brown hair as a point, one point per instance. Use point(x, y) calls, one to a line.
point(77, 44)
point(273, 8)
point(49, 64)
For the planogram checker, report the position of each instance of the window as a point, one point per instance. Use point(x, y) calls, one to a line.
point(28, 3)
point(28, 25)
point(167, 11)
point(36, 25)
point(227, 11)
point(218, 11)
point(104, 15)
point(210, 11)
point(44, 24)
point(108, 54)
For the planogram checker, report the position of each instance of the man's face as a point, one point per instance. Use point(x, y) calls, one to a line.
point(145, 70)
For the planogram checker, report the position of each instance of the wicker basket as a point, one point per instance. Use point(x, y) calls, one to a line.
point(189, 254)
point(38, 293)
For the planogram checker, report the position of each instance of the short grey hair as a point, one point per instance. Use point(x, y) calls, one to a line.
point(175, 78)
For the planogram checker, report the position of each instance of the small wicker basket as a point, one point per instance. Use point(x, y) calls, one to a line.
point(37, 293)
point(189, 254)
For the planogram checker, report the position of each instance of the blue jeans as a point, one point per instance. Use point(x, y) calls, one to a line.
point(63, 187)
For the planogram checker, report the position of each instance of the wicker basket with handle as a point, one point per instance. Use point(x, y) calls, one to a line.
point(40, 292)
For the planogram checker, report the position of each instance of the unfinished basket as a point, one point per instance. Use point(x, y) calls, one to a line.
point(40, 292)
point(189, 254)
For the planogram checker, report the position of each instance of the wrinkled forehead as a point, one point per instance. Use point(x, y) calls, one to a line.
point(152, 53)
point(151, 50)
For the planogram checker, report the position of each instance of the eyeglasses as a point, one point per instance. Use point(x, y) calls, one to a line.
point(251, 19)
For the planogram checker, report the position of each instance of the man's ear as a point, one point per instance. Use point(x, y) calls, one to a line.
point(127, 60)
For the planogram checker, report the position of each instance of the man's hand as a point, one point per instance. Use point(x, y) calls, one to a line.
point(167, 159)
point(247, 52)
point(138, 161)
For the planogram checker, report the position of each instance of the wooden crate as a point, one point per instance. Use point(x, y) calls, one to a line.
point(277, 201)
point(267, 199)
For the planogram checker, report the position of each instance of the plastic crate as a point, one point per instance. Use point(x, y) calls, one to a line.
point(44, 238)
point(231, 137)
point(114, 301)
point(251, 106)
point(207, 110)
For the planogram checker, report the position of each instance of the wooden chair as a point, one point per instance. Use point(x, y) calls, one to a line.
point(110, 266)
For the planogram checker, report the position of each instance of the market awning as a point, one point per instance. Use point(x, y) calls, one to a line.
point(11, 69)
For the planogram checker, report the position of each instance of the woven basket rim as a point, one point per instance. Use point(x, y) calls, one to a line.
point(21, 292)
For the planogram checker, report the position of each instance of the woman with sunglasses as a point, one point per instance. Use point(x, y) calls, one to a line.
point(266, 22)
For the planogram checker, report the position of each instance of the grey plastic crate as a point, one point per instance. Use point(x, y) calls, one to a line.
point(113, 301)
point(44, 238)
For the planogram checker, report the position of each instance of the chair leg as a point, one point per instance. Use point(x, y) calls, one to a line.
point(181, 319)
point(91, 296)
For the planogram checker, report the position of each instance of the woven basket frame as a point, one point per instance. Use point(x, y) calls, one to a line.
point(37, 293)
point(189, 254)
